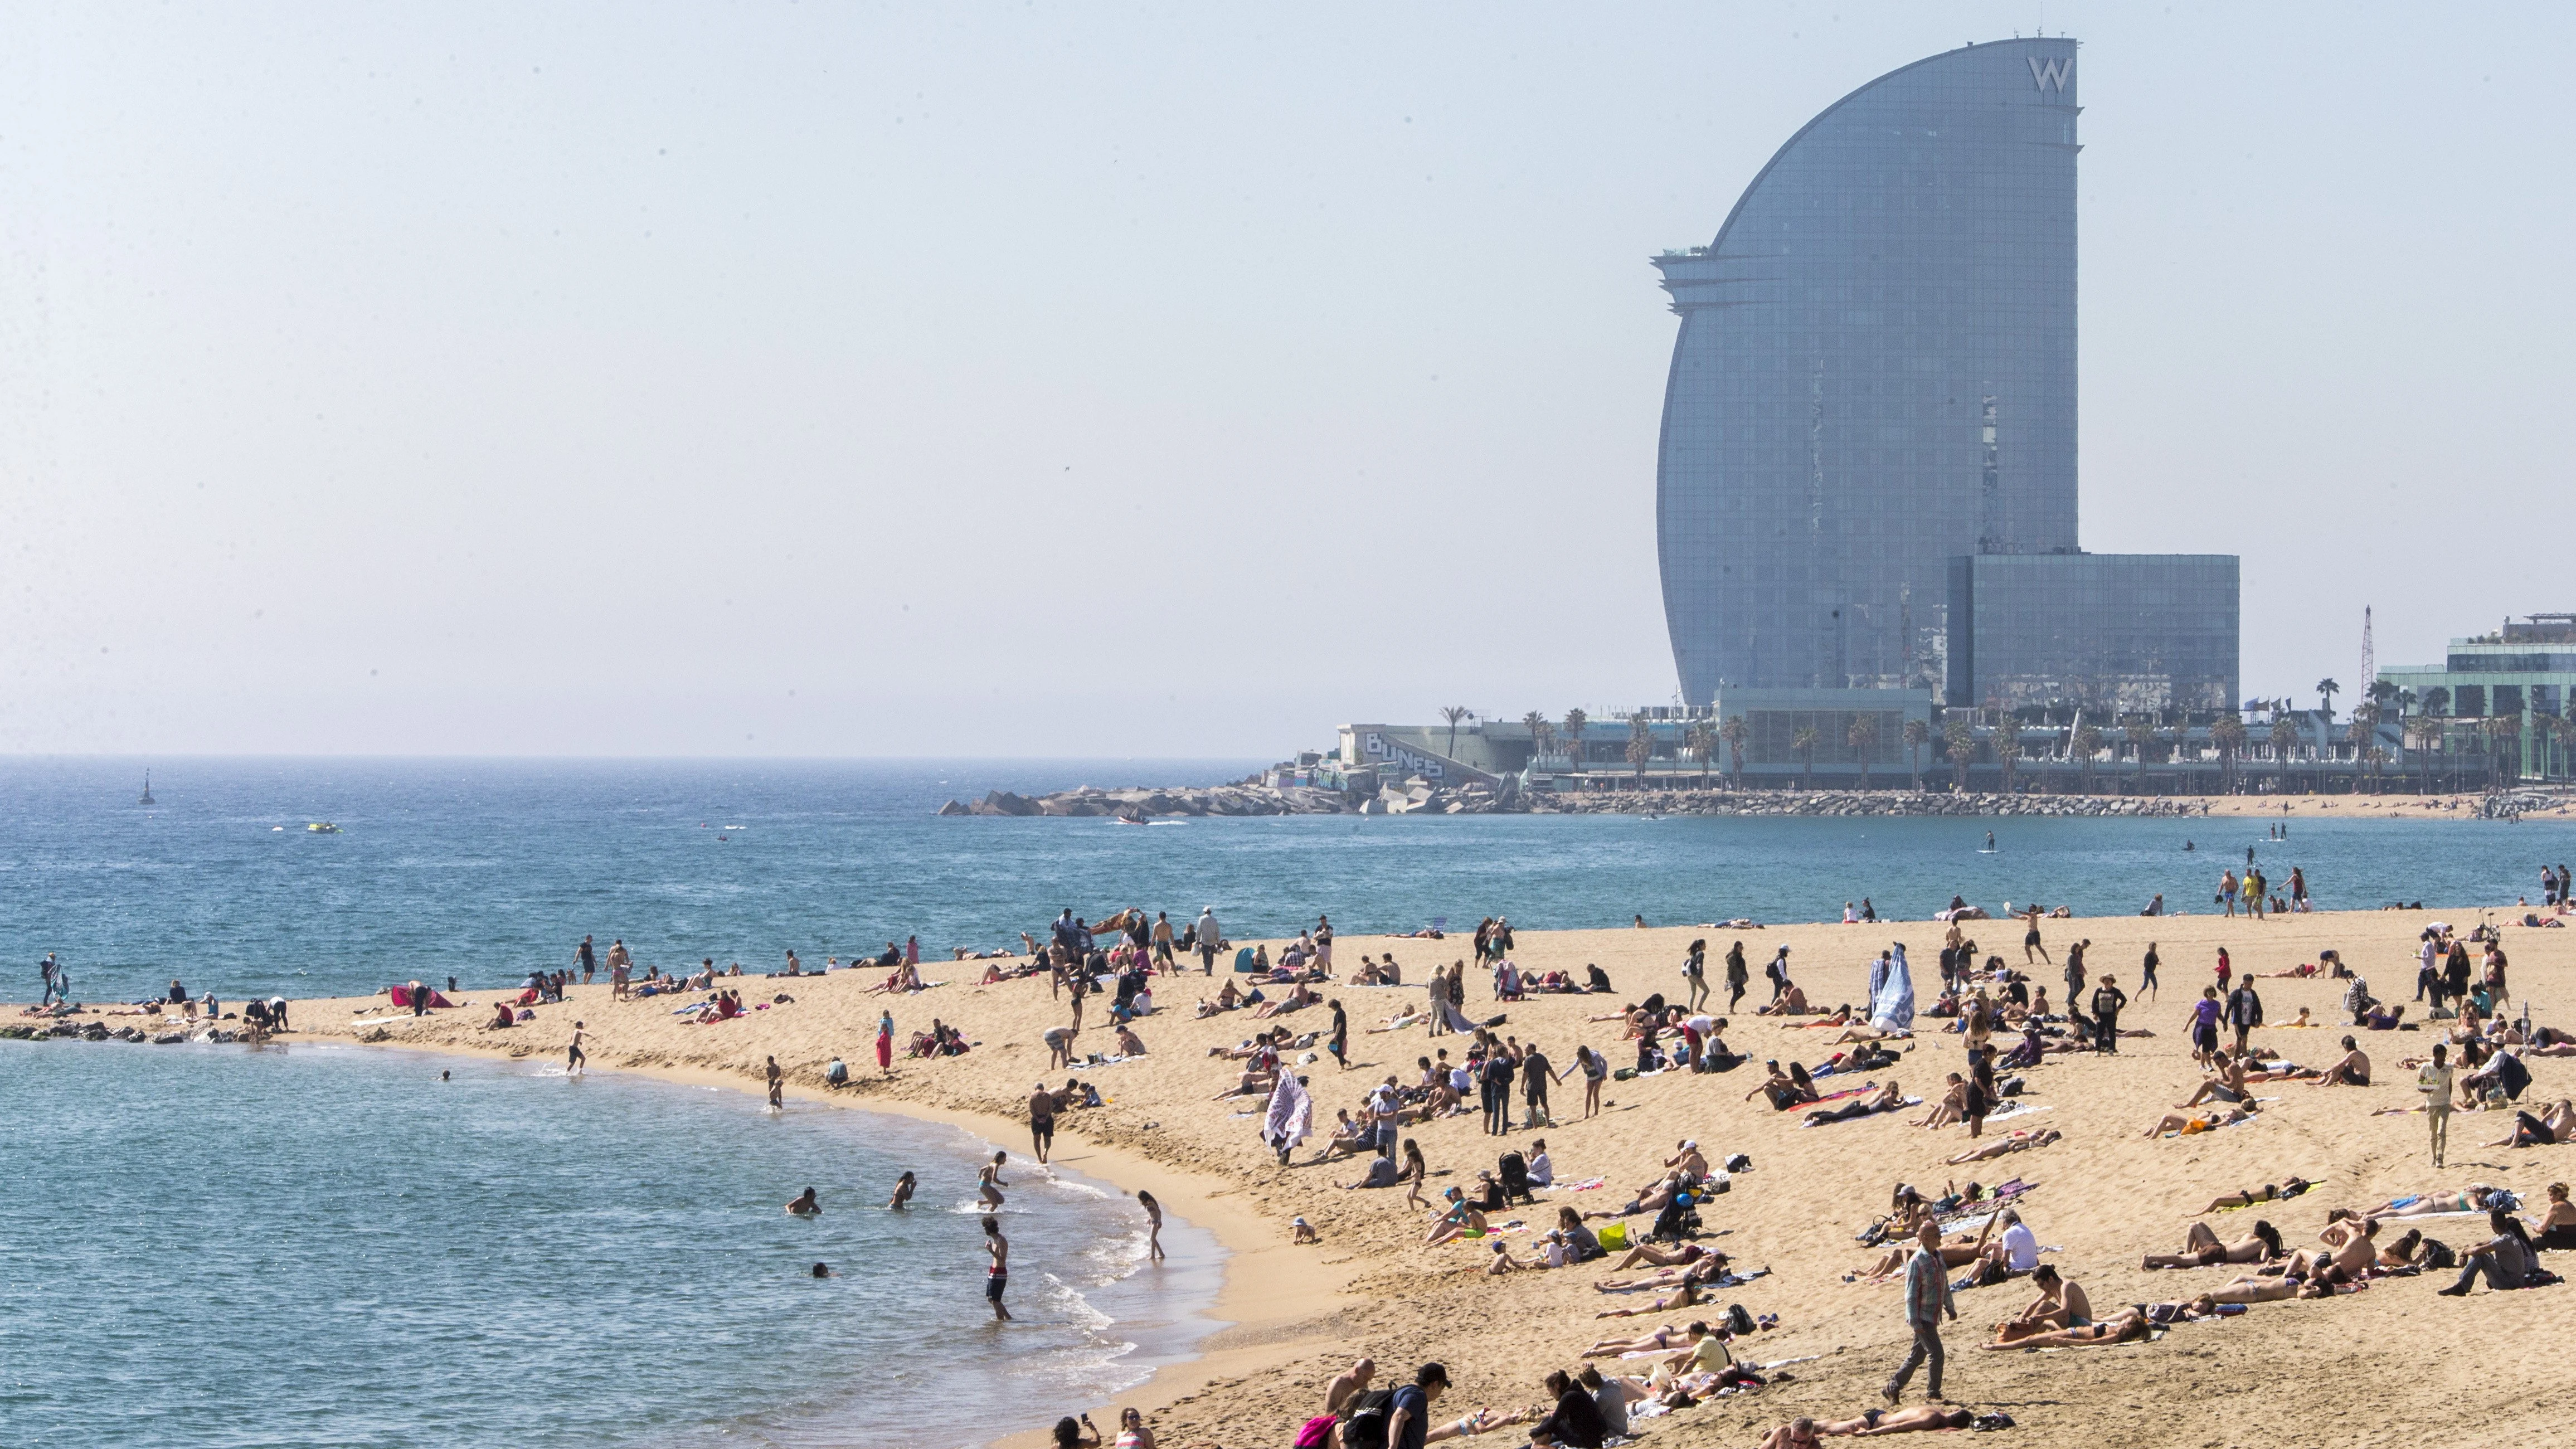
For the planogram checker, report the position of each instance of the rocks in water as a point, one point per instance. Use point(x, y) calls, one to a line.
point(955, 807)
point(1003, 802)
point(170, 1038)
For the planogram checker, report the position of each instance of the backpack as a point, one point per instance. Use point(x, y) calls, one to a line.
point(1739, 1163)
point(2438, 1255)
point(1739, 1322)
point(1364, 1419)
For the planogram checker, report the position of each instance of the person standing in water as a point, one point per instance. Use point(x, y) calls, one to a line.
point(990, 1183)
point(1990, 842)
point(903, 1187)
point(1153, 1225)
point(997, 1275)
point(777, 1085)
point(574, 1059)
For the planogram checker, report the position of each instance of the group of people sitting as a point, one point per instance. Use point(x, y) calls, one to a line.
point(942, 1040)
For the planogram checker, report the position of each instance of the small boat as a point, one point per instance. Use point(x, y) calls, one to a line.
point(147, 790)
point(1130, 818)
point(323, 827)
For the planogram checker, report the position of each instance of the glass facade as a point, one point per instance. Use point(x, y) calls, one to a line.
point(1875, 374)
point(2125, 633)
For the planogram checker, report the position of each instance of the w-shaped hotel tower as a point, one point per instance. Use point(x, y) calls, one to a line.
point(1867, 476)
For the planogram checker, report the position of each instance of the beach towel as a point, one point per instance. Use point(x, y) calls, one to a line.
point(2015, 1107)
point(1891, 1006)
point(1586, 1185)
point(1291, 1114)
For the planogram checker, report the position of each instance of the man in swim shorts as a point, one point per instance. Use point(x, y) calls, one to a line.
point(997, 1275)
point(574, 1060)
point(1041, 1121)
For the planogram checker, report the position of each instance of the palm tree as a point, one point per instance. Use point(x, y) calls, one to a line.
point(2007, 747)
point(1959, 742)
point(2087, 741)
point(1575, 720)
point(1454, 713)
point(1804, 744)
point(1918, 732)
point(2365, 736)
point(2423, 736)
point(1641, 746)
point(2376, 758)
point(2327, 689)
point(1541, 734)
point(2228, 734)
point(1735, 732)
point(1700, 742)
point(1862, 736)
point(2504, 750)
point(2284, 739)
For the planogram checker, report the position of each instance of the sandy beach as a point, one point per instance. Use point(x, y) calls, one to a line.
point(2285, 1373)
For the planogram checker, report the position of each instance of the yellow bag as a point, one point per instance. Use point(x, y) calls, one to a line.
point(1614, 1236)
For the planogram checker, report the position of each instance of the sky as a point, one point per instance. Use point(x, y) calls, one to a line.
point(1030, 380)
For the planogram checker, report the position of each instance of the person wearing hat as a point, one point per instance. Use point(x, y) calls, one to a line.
point(1303, 1231)
point(1408, 1421)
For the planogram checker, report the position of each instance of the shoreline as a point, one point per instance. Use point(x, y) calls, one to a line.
point(1259, 1296)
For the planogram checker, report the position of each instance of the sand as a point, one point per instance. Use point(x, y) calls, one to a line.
point(2390, 1364)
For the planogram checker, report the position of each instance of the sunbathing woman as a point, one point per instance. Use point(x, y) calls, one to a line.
point(1886, 1099)
point(1901, 1421)
point(1685, 1296)
point(1955, 1254)
point(2223, 1116)
point(1707, 1270)
point(2017, 1142)
point(2271, 1192)
point(2201, 1247)
point(2472, 1199)
point(2128, 1326)
point(2558, 1224)
point(1680, 1255)
point(1662, 1338)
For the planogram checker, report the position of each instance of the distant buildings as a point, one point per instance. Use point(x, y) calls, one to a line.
point(2505, 692)
point(1867, 476)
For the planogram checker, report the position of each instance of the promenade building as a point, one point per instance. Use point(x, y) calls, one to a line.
point(1874, 380)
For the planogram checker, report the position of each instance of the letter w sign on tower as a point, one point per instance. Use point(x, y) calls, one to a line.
point(2051, 75)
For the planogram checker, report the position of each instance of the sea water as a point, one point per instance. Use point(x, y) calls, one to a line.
point(331, 1245)
point(486, 871)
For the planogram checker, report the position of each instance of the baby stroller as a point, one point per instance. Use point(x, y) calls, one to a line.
point(1514, 1172)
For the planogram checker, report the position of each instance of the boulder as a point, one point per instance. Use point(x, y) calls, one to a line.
point(954, 807)
point(1003, 802)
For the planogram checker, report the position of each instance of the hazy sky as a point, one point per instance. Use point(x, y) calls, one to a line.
point(1039, 379)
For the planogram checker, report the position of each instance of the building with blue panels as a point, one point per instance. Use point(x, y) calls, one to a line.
point(1875, 375)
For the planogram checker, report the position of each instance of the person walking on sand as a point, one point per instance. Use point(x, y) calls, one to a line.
point(777, 1085)
point(1153, 1225)
point(588, 962)
point(1735, 976)
point(2147, 972)
point(885, 1044)
point(1695, 973)
point(1209, 936)
point(2433, 1079)
point(2108, 998)
point(997, 1274)
point(576, 1061)
point(1927, 1298)
point(1340, 1043)
point(1041, 1122)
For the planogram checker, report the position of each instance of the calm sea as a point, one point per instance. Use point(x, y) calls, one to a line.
point(320, 1245)
point(488, 870)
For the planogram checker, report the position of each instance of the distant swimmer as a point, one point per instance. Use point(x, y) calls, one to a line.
point(806, 1207)
point(824, 1270)
point(777, 1085)
point(997, 1276)
point(903, 1187)
point(2187, 845)
point(1990, 842)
